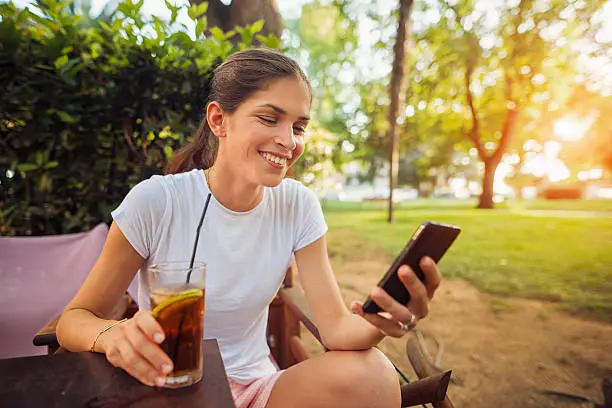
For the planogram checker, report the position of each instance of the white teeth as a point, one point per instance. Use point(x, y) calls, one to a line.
point(275, 159)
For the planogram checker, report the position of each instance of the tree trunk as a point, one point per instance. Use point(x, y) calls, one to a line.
point(242, 12)
point(491, 161)
point(397, 93)
point(486, 196)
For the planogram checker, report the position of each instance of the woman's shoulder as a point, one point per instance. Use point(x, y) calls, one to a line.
point(159, 188)
point(293, 191)
point(291, 187)
point(172, 182)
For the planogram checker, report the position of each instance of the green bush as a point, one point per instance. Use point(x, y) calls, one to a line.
point(90, 106)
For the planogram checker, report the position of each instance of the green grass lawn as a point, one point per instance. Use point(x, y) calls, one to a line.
point(509, 251)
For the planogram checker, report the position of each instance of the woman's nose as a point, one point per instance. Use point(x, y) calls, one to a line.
point(286, 138)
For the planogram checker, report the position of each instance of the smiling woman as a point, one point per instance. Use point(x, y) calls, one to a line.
point(252, 132)
point(276, 96)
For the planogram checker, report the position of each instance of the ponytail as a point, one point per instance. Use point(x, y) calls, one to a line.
point(200, 153)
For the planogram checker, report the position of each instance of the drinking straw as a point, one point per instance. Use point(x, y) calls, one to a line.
point(195, 244)
point(193, 253)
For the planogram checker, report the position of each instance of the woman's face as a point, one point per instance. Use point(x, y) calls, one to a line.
point(265, 135)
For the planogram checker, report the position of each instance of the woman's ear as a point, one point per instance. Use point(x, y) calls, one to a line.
point(215, 118)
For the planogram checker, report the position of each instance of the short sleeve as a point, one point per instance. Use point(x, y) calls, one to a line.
point(140, 214)
point(311, 223)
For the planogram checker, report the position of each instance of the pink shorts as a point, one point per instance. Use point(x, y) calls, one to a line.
point(254, 394)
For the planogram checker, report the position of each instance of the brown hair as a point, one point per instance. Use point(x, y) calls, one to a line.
point(234, 81)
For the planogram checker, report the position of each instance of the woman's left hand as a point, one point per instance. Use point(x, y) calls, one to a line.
point(397, 319)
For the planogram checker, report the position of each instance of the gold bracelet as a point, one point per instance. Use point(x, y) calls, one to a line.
point(107, 328)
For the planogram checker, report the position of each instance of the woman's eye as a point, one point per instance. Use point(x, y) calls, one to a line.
point(267, 120)
point(299, 130)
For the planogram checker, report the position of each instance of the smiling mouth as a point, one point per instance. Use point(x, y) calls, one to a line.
point(273, 159)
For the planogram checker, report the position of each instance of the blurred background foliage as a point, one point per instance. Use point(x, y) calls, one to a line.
point(91, 105)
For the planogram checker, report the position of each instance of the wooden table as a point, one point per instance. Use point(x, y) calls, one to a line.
point(88, 380)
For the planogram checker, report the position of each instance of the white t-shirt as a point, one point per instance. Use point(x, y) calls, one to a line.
point(246, 254)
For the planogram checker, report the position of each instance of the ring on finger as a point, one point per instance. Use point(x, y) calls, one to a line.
point(410, 325)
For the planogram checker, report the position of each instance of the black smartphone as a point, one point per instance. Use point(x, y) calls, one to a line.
point(431, 239)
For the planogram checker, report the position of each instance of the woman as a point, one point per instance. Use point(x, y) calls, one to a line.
point(252, 132)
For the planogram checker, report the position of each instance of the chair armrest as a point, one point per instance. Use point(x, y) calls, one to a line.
point(425, 370)
point(427, 390)
point(46, 336)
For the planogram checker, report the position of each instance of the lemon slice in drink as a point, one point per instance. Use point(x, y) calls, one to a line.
point(182, 297)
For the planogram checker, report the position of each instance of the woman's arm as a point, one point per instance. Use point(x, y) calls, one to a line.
point(88, 312)
point(132, 345)
point(341, 330)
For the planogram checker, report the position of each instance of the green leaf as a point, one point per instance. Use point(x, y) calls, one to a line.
point(105, 26)
point(217, 33)
point(202, 8)
point(96, 49)
point(25, 167)
point(23, 16)
point(173, 10)
point(168, 151)
point(271, 41)
point(257, 26)
point(65, 117)
point(73, 66)
point(192, 12)
point(181, 38)
point(61, 61)
point(201, 26)
point(51, 164)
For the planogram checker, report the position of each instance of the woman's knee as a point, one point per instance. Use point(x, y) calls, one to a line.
point(371, 378)
point(375, 362)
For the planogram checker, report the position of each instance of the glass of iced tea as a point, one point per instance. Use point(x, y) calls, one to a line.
point(176, 292)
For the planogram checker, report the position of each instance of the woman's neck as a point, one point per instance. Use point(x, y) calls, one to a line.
point(231, 190)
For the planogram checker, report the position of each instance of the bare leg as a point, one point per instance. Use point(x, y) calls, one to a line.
point(349, 379)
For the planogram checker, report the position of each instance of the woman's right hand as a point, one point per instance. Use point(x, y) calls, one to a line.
point(134, 346)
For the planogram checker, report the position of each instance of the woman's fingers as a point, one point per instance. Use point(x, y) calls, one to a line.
point(433, 277)
point(397, 311)
point(137, 366)
point(394, 314)
point(121, 354)
point(389, 327)
point(131, 347)
point(149, 326)
point(418, 293)
point(143, 344)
